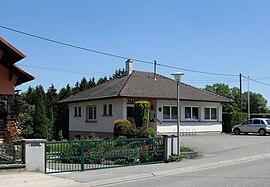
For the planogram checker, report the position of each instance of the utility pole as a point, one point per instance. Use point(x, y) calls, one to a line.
point(241, 100)
point(155, 70)
point(248, 100)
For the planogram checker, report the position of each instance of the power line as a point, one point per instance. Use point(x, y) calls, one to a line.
point(65, 70)
point(110, 54)
point(73, 46)
point(196, 71)
point(260, 82)
point(210, 81)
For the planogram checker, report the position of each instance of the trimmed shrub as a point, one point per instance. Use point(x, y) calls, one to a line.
point(145, 133)
point(123, 128)
point(231, 119)
point(141, 113)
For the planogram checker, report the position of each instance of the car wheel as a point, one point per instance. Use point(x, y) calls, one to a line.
point(262, 132)
point(237, 131)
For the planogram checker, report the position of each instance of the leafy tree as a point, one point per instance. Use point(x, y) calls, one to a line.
point(257, 102)
point(118, 73)
point(51, 106)
point(25, 120)
point(41, 113)
point(102, 80)
point(220, 89)
point(76, 88)
point(83, 84)
point(91, 83)
point(40, 121)
point(3, 111)
point(62, 123)
point(225, 91)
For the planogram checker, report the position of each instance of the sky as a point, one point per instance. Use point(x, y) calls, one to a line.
point(222, 37)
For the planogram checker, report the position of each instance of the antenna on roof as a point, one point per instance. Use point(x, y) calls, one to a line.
point(155, 69)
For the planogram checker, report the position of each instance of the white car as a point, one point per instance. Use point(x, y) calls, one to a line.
point(255, 125)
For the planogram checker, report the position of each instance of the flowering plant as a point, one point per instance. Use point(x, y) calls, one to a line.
point(12, 131)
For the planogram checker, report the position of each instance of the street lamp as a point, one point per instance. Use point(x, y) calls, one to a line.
point(177, 77)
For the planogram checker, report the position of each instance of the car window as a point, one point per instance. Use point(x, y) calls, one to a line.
point(256, 121)
point(268, 121)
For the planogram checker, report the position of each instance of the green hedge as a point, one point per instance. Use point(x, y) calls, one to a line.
point(231, 119)
point(141, 113)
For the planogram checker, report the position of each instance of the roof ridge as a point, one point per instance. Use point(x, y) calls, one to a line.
point(154, 73)
point(119, 93)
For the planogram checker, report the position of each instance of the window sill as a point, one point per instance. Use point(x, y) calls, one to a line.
point(191, 120)
point(210, 120)
point(92, 121)
point(169, 120)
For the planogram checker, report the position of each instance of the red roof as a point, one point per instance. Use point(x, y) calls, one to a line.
point(10, 56)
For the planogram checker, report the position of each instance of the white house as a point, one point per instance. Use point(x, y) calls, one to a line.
point(96, 109)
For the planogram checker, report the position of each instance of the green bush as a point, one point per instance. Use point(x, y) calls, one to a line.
point(231, 119)
point(141, 113)
point(123, 128)
point(145, 133)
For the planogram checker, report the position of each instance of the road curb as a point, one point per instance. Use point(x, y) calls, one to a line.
point(199, 167)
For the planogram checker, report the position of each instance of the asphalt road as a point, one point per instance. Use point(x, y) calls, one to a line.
point(255, 173)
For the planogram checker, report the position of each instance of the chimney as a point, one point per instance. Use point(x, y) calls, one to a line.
point(128, 67)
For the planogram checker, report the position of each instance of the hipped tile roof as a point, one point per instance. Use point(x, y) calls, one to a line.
point(144, 85)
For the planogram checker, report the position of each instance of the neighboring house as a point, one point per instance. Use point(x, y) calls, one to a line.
point(96, 109)
point(10, 76)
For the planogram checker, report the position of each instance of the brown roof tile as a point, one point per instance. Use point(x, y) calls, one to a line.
point(143, 85)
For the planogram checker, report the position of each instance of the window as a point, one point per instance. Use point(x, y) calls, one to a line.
point(210, 113)
point(256, 121)
point(91, 113)
point(166, 112)
point(77, 111)
point(104, 110)
point(110, 110)
point(107, 110)
point(169, 112)
point(192, 113)
point(130, 112)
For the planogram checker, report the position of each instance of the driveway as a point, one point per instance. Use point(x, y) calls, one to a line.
point(222, 145)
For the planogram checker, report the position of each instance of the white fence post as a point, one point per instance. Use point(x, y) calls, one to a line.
point(170, 147)
point(35, 155)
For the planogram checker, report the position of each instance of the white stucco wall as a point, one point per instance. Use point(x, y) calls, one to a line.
point(106, 123)
point(187, 125)
point(103, 123)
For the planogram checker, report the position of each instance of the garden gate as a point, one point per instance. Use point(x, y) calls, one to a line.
point(98, 154)
point(11, 153)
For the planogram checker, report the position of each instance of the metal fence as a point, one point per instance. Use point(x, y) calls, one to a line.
point(11, 153)
point(98, 154)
